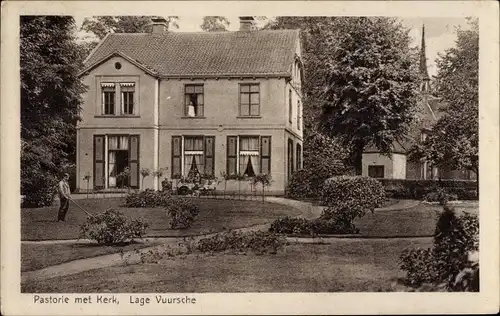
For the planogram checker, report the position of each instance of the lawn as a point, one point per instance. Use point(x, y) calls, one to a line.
point(215, 216)
point(345, 265)
point(418, 221)
point(39, 256)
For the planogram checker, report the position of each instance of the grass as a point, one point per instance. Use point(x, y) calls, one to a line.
point(39, 256)
point(418, 221)
point(215, 216)
point(345, 265)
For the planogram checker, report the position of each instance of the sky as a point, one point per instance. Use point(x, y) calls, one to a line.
point(439, 32)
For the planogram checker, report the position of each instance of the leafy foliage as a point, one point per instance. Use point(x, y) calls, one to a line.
point(324, 157)
point(448, 260)
point(148, 198)
point(112, 227)
point(182, 212)
point(441, 196)
point(260, 242)
point(354, 195)
point(214, 23)
point(102, 25)
point(453, 141)
point(371, 91)
point(330, 222)
point(50, 102)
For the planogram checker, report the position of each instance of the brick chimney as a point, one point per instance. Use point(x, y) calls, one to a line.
point(159, 25)
point(246, 23)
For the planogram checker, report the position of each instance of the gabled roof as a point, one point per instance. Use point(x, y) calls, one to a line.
point(178, 54)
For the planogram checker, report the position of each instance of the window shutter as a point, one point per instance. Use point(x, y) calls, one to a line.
point(209, 152)
point(176, 156)
point(231, 155)
point(99, 161)
point(265, 154)
point(133, 154)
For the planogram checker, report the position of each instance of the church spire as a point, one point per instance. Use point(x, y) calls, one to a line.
point(423, 58)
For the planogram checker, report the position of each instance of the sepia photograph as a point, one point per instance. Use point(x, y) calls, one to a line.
point(247, 154)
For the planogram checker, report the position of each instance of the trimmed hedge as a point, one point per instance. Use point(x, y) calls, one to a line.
point(356, 194)
point(418, 189)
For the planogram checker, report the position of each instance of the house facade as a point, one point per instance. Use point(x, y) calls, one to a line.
point(377, 165)
point(191, 104)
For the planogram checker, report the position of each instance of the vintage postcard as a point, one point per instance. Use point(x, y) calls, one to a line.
point(284, 157)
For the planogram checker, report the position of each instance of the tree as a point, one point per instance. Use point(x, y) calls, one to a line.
point(453, 141)
point(214, 23)
point(102, 25)
point(370, 96)
point(50, 102)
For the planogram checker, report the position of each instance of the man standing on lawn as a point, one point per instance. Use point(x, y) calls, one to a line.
point(64, 196)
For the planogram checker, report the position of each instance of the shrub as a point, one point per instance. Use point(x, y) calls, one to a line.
point(148, 198)
point(166, 185)
point(331, 221)
point(455, 238)
point(355, 194)
point(299, 185)
point(182, 213)
point(40, 191)
point(260, 242)
point(441, 196)
point(291, 226)
point(418, 189)
point(112, 227)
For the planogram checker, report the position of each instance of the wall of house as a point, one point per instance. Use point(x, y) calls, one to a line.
point(394, 168)
point(278, 171)
point(106, 72)
point(221, 104)
point(85, 152)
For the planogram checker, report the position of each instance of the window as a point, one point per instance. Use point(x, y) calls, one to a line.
point(290, 105)
point(299, 157)
point(108, 98)
point(127, 91)
point(299, 116)
point(290, 158)
point(248, 155)
point(193, 100)
point(113, 154)
point(193, 156)
point(376, 171)
point(249, 99)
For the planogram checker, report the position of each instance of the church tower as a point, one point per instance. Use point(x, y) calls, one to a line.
point(424, 74)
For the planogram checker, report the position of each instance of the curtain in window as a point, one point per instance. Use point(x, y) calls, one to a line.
point(112, 143)
point(249, 144)
point(123, 142)
point(192, 143)
point(193, 164)
point(112, 169)
point(249, 163)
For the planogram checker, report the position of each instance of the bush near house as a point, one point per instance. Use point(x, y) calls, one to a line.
point(418, 189)
point(448, 263)
point(148, 198)
point(112, 227)
point(441, 196)
point(355, 194)
point(182, 213)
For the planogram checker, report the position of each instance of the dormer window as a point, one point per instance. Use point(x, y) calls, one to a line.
point(108, 98)
point(194, 106)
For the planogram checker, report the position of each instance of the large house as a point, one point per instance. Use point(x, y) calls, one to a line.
point(377, 165)
point(202, 103)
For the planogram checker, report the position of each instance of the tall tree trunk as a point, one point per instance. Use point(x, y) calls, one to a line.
point(357, 157)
